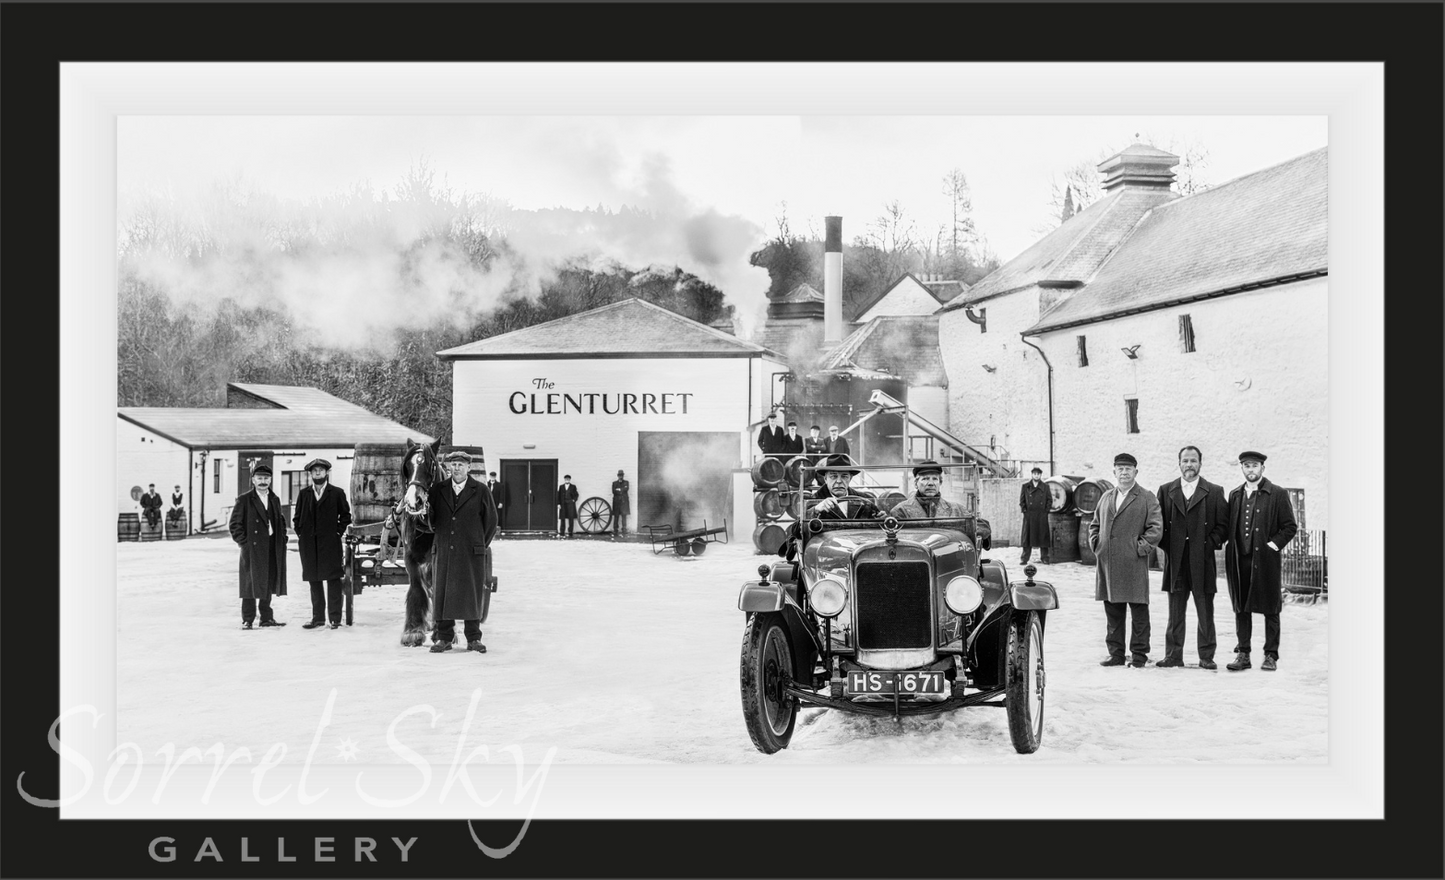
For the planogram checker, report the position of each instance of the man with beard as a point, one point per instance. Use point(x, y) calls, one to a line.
point(926, 502)
point(320, 519)
point(1123, 533)
point(1261, 523)
point(836, 500)
point(567, 496)
point(150, 502)
point(259, 528)
point(1196, 521)
point(464, 521)
point(1034, 503)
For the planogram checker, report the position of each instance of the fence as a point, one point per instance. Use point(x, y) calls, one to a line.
point(1304, 564)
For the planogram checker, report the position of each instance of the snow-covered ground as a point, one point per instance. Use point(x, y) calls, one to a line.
point(614, 655)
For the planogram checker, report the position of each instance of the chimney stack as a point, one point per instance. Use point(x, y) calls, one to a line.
point(833, 281)
point(1140, 167)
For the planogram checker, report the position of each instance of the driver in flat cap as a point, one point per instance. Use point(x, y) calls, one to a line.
point(1126, 528)
point(927, 501)
point(320, 518)
point(259, 528)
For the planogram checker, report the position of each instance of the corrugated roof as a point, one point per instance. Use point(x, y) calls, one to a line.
point(269, 428)
point(1260, 228)
point(903, 345)
point(1071, 253)
point(630, 328)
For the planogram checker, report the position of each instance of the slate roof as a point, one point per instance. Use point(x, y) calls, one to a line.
point(309, 418)
point(1262, 228)
point(935, 289)
point(904, 345)
point(1070, 254)
point(630, 328)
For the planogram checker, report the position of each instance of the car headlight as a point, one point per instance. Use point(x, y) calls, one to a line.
point(963, 594)
point(828, 596)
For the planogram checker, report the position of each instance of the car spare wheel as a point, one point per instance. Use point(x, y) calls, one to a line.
point(1025, 696)
point(767, 666)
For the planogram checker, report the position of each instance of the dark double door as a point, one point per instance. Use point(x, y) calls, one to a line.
point(532, 484)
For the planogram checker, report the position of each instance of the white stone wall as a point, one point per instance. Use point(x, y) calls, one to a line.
point(1011, 403)
point(1258, 379)
point(907, 298)
point(143, 457)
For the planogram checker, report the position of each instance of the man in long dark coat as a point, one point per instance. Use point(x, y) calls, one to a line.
point(838, 472)
point(770, 436)
point(621, 504)
point(1034, 502)
point(1196, 521)
point(150, 503)
point(1123, 534)
point(464, 522)
point(816, 448)
point(259, 528)
point(501, 493)
point(836, 444)
point(566, 505)
point(320, 518)
point(1261, 523)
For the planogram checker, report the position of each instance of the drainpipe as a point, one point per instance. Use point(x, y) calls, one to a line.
point(1051, 398)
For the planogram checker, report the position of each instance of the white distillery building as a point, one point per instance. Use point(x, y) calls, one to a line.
point(629, 386)
point(1151, 321)
point(209, 452)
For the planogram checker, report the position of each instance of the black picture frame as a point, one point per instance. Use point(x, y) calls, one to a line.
point(1405, 36)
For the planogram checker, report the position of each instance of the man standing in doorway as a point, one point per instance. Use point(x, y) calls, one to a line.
point(320, 519)
point(1196, 521)
point(1123, 534)
point(566, 506)
point(464, 520)
point(1034, 503)
point(259, 528)
point(1261, 523)
point(621, 504)
point(501, 494)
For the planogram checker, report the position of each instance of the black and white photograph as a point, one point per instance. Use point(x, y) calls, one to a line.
point(519, 460)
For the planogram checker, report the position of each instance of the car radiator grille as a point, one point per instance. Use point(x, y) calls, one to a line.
point(893, 608)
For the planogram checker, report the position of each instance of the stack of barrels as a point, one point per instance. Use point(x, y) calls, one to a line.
point(1063, 521)
point(1086, 498)
point(777, 494)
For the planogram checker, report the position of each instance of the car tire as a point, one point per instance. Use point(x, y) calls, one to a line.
point(767, 663)
point(1025, 689)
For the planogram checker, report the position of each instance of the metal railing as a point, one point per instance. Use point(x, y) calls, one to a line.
point(1304, 564)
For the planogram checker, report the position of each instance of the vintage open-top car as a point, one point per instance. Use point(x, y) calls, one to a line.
point(891, 617)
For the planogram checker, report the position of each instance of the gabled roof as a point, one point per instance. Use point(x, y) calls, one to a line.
point(297, 397)
point(1264, 228)
point(630, 328)
point(1067, 256)
point(928, 286)
point(904, 345)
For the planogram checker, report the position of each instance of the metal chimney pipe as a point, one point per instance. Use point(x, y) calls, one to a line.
point(833, 281)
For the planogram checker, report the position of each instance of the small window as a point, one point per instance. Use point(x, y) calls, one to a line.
point(1186, 333)
point(1131, 415)
point(216, 486)
point(1083, 353)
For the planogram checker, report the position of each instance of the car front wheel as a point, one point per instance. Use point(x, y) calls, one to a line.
point(1025, 698)
point(767, 666)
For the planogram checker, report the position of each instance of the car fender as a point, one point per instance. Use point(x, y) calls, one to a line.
point(1034, 596)
point(756, 597)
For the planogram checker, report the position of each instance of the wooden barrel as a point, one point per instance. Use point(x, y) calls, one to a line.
point(149, 533)
point(1063, 537)
point(1088, 493)
point(177, 528)
point(127, 527)
point(768, 537)
point(1086, 554)
point(767, 472)
point(890, 499)
point(1061, 494)
point(793, 470)
point(376, 483)
point(768, 504)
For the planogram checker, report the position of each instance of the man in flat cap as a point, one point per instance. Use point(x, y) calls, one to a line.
point(770, 436)
point(792, 441)
point(816, 449)
point(1034, 500)
point(464, 522)
point(836, 444)
point(621, 504)
point(320, 517)
point(927, 502)
point(501, 494)
point(1196, 521)
point(1261, 523)
point(1125, 529)
point(150, 502)
point(566, 506)
point(259, 528)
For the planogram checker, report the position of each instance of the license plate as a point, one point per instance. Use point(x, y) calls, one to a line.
point(904, 683)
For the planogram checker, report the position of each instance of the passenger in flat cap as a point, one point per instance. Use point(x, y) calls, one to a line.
point(320, 517)
point(1261, 524)
point(566, 506)
point(1196, 522)
point(259, 528)
point(1123, 533)
point(621, 504)
point(927, 501)
point(1034, 499)
point(464, 523)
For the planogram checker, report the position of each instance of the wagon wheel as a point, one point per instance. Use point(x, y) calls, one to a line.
point(594, 516)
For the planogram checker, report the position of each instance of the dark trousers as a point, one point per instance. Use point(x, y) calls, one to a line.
point(1174, 633)
point(567, 521)
point(1114, 632)
point(1244, 631)
point(320, 599)
point(248, 609)
point(619, 523)
point(446, 630)
point(1043, 553)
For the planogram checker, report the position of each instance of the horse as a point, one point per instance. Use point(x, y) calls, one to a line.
point(412, 516)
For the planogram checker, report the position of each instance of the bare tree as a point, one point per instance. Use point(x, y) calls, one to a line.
point(1082, 184)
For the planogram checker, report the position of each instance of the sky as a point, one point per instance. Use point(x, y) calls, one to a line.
point(738, 173)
